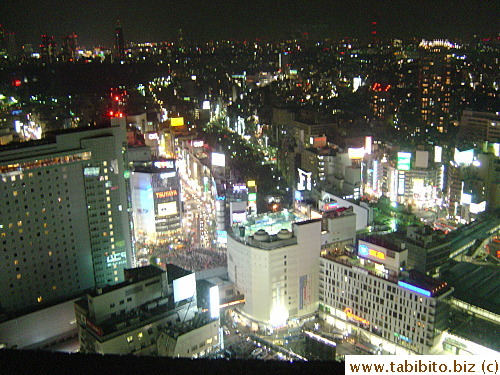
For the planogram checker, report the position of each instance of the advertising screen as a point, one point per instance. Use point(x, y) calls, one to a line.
point(218, 159)
point(177, 121)
point(166, 209)
point(404, 160)
point(184, 287)
point(356, 153)
point(214, 302)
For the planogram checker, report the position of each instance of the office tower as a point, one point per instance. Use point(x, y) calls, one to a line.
point(366, 294)
point(276, 269)
point(119, 42)
point(64, 226)
point(69, 45)
point(48, 48)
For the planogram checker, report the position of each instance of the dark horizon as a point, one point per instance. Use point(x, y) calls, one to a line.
point(154, 21)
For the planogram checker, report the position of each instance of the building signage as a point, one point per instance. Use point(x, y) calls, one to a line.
point(364, 250)
point(166, 194)
point(414, 288)
point(330, 206)
point(167, 175)
point(165, 164)
point(350, 315)
point(94, 328)
point(115, 258)
point(404, 161)
point(198, 143)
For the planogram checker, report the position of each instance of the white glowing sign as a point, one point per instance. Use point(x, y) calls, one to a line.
point(218, 160)
point(152, 136)
point(198, 143)
point(115, 258)
point(438, 154)
point(304, 180)
point(356, 153)
point(165, 164)
point(167, 209)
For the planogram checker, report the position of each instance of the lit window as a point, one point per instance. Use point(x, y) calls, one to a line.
point(104, 163)
point(20, 231)
point(14, 193)
point(16, 262)
point(19, 223)
point(116, 278)
point(18, 276)
point(50, 253)
point(139, 335)
point(39, 299)
point(54, 287)
point(130, 338)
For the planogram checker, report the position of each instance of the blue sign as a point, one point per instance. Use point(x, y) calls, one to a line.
point(414, 288)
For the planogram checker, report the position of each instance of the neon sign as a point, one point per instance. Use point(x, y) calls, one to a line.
point(414, 288)
point(164, 164)
point(366, 251)
point(166, 194)
point(350, 315)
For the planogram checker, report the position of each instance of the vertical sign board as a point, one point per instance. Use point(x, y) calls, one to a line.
point(304, 291)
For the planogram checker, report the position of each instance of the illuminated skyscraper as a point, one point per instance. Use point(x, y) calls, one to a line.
point(48, 48)
point(64, 225)
point(435, 85)
point(119, 42)
point(69, 45)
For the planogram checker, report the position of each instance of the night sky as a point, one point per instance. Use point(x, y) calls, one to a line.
point(157, 20)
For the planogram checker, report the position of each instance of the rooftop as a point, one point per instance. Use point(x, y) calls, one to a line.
point(475, 284)
point(411, 280)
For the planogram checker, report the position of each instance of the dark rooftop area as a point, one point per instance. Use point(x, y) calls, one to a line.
point(475, 284)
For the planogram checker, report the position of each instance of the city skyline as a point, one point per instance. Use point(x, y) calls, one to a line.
point(154, 22)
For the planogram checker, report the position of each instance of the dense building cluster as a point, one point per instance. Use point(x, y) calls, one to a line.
point(344, 182)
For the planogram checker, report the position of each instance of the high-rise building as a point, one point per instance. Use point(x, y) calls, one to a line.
point(69, 46)
point(64, 226)
point(435, 86)
point(48, 48)
point(119, 42)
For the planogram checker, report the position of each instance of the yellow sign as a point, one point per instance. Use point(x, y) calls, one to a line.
point(251, 183)
point(177, 121)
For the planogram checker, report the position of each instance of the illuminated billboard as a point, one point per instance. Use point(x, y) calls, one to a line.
point(167, 209)
point(166, 194)
point(198, 143)
point(177, 121)
point(169, 164)
point(464, 157)
point(304, 180)
point(206, 104)
point(214, 302)
point(184, 287)
point(252, 197)
point(438, 154)
point(356, 153)
point(404, 161)
point(218, 160)
point(371, 252)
